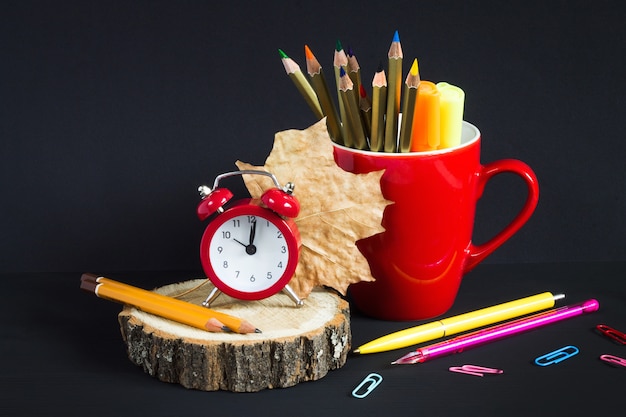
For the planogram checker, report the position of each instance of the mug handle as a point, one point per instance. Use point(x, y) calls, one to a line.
point(479, 252)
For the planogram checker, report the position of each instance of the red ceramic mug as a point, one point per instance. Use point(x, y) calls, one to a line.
point(419, 260)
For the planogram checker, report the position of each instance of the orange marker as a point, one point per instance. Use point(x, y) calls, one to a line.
point(426, 120)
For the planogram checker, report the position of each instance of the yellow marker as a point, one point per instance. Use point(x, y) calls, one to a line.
point(461, 323)
point(451, 104)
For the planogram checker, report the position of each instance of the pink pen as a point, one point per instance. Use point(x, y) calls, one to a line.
point(491, 334)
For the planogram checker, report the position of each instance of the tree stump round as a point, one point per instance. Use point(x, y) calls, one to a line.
point(297, 344)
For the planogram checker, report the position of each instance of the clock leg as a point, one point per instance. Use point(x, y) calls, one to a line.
point(291, 293)
point(211, 297)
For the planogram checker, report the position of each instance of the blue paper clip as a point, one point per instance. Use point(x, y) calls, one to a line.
point(557, 356)
point(367, 385)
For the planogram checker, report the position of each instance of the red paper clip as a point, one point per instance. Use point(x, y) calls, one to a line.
point(475, 370)
point(614, 360)
point(616, 335)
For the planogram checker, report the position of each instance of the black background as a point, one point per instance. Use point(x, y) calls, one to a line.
point(113, 112)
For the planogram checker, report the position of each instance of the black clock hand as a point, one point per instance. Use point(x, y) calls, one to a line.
point(241, 243)
point(252, 231)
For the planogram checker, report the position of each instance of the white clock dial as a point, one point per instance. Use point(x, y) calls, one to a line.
point(249, 253)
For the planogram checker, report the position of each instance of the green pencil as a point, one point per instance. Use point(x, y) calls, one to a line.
point(293, 70)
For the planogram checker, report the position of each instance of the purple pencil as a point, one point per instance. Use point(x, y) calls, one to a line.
point(491, 334)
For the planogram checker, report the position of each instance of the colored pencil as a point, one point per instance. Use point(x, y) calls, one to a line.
point(302, 84)
point(318, 81)
point(366, 110)
point(379, 103)
point(354, 69)
point(394, 90)
point(408, 107)
point(340, 61)
point(353, 116)
point(164, 306)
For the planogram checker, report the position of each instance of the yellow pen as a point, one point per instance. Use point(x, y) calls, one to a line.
point(461, 323)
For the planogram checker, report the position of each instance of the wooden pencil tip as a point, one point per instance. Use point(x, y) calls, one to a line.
point(257, 331)
point(338, 46)
point(362, 91)
point(342, 72)
point(282, 54)
point(307, 52)
point(414, 68)
point(396, 37)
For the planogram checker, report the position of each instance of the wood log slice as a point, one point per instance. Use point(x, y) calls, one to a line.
point(297, 344)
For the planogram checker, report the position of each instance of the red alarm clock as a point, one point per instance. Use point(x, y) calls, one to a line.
point(250, 249)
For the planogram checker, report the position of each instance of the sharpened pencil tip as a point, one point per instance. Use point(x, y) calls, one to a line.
point(282, 54)
point(257, 331)
point(356, 351)
point(414, 68)
point(307, 52)
point(338, 46)
point(396, 37)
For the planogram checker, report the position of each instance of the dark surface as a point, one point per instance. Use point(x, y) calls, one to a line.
point(113, 112)
point(63, 354)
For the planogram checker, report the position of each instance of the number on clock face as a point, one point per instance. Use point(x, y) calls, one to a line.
point(248, 253)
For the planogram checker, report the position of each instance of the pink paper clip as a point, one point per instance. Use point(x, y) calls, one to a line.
point(475, 370)
point(616, 335)
point(614, 360)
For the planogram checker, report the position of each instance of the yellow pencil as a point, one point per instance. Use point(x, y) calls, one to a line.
point(408, 107)
point(293, 70)
point(379, 104)
point(318, 81)
point(394, 91)
point(164, 306)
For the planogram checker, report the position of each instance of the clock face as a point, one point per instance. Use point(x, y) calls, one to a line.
point(248, 252)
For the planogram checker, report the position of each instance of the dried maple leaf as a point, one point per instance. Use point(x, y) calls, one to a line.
point(338, 208)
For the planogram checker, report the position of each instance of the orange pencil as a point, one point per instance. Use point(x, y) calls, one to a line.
point(426, 119)
point(318, 81)
point(164, 306)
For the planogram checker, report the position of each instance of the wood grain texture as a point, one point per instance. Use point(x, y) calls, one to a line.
point(296, 344)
